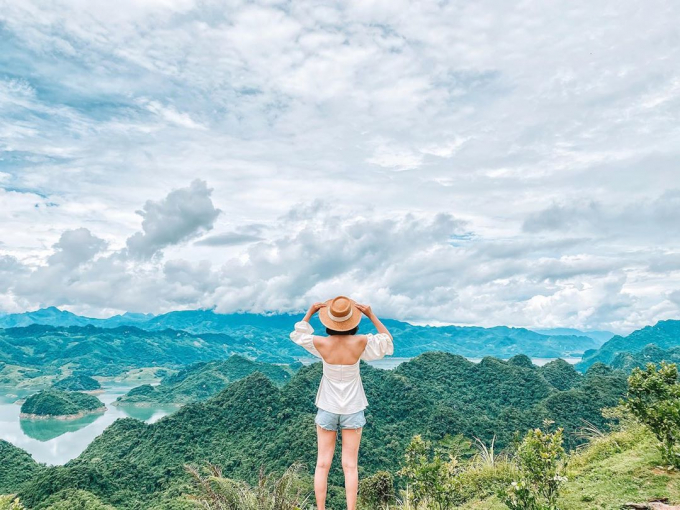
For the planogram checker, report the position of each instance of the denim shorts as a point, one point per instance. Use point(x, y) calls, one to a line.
point(333, 421)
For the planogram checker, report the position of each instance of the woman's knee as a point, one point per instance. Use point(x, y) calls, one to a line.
point(323, 464)
point(349, 463)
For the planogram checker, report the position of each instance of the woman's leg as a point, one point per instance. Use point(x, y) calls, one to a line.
point(350, 453)
point(326, 441)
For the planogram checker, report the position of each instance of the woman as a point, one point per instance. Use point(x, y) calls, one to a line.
point(341, 399)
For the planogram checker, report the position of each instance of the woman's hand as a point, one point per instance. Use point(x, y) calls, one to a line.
point(365, 309)
point(316, 307)
point(312, 310)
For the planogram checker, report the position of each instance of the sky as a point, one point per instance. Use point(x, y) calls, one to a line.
point(459, 162)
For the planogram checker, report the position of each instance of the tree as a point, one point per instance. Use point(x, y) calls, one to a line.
point(540, 458)
point(654, 399)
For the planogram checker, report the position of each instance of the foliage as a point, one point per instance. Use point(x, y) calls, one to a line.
point(627, 361)
point(560, 374)
point(202, 380)
point(60, 403)
point(432, 475)
point(654, 398)
point(16, 468)
point(74, 499)
point(540, 459)
point(77, 382)
point(215, 492)
point(10, 502)
point(377, 491)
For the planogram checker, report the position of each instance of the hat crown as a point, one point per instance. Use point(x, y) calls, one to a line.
point(341, 306)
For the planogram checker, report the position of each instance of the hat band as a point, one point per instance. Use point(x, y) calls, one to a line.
point(339, 319)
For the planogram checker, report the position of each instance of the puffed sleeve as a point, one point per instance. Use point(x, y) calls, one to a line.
point(303, 335)
point(377, 347)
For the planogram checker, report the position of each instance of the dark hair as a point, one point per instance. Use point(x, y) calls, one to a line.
point(352, 331)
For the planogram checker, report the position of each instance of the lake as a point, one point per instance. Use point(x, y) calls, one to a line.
point(58, 441)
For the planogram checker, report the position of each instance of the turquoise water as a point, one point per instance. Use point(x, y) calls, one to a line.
point(58, 441)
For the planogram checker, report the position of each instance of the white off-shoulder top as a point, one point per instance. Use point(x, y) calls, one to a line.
point(341, 390)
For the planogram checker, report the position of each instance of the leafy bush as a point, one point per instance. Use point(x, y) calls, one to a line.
point(654, 399)
point(431, 475)
point(10, 502)
point(540, 459)
point(377, 491)
point(437, 478)
point(75, 499)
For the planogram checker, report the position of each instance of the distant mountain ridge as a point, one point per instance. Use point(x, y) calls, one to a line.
point(599, 336)
point(664, 335)
point(471, 341)
point(650, 354)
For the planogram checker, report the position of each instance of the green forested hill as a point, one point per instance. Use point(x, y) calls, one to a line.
point(77, 382)
point(253, 422)
point(110, 351)
point(60, 403)
point(650, 354)
point(202, 380)
point(16, 467)
point(665, 335)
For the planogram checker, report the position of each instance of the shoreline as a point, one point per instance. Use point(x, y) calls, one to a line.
point(146, 404)
point(29, 416)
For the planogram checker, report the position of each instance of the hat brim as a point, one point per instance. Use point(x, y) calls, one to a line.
point(346, 325)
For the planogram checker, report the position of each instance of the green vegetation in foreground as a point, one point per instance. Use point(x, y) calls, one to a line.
point(60, 403)
point(201, 381)
point(613, 470)
point(77, 382)
point(253, 423)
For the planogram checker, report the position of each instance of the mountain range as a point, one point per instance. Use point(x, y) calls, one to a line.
point(272, 331)
point(664, 335)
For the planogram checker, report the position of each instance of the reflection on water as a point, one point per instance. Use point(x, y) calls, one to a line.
point(58, 441)
point(46, 429)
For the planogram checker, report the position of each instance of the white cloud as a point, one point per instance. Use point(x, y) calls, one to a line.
point(184, 214)
point(559, 172)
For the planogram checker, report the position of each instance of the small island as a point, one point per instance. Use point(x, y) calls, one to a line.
point(62, 405)
point(77, 382)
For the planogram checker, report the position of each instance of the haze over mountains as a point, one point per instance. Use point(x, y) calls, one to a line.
point(272, 330)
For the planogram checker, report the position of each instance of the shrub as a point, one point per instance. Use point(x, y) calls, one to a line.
point(540, 459)
point(10, 502)
point(377, 491)
point(431, 477)
point(654, 399)
point(214, 492)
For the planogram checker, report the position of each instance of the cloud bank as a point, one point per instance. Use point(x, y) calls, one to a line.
point(478, 163)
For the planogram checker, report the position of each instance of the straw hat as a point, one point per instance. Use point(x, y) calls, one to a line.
point(340, 314)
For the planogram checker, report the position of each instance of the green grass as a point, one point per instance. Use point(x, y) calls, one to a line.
point(619, 468)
